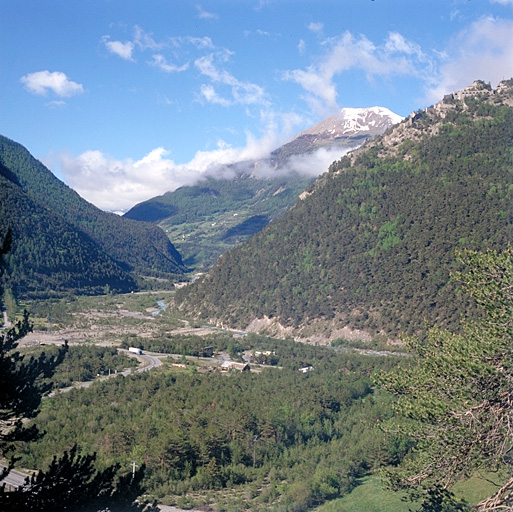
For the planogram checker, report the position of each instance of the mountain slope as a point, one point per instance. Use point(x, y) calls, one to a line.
point(38, 207)
point(370, 248)
point(49, 255)
point(207, 219)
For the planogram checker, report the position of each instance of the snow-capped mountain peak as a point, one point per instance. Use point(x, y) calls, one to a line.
point(348, 129)
point(352, 121)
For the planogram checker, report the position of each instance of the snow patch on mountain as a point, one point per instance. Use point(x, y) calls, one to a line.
point(354, 121)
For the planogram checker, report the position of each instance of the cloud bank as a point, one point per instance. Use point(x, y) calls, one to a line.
point(117, 185)
point(113, 184)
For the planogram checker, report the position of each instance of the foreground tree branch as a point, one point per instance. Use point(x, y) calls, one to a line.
point(71, 482)
point(501, 500)
point(455, 401)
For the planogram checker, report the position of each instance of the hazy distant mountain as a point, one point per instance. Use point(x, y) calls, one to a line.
point(213, 216)
point(369, 248)
point(63, 243)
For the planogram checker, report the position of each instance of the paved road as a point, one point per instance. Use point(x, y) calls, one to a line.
point(149, 361)
point(14, 478)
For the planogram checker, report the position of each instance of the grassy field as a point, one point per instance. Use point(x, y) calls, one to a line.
point(479, 487)
point(370, 496)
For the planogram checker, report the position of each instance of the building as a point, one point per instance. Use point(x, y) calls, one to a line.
point(232, 365)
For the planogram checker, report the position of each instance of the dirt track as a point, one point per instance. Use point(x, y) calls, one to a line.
point(99, 336)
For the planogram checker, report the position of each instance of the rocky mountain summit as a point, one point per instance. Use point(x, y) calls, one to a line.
point(472, 102)
point(349, 128)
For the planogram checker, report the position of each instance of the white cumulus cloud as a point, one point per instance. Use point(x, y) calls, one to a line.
point(144, 40)
point(123, 50)
point(397, 43)
point(113, 184)
point(210, 95)
point(41, 82)
point(483, 51)
point(314, 164)
point(395, 56)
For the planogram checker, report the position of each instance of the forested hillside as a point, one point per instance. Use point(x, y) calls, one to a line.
point(209, 218)
point(62, 242)
point(222, 211)
point(373, 245)
point(48, 254)
point(294, 440)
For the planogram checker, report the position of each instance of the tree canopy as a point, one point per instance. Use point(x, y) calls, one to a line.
point(71, 482)
point(456, 400)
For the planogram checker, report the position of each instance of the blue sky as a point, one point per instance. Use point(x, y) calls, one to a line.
point(126, 99)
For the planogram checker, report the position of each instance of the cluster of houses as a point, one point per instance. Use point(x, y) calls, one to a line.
point(228, 365)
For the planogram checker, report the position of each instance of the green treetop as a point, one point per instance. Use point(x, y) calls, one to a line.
point(456, 400)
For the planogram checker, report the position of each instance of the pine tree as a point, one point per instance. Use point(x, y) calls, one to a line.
point(71, 482)
point(456, 399)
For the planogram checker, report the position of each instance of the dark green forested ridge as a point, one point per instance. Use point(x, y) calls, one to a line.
point(48, 254)
point(373, 245)
point(62, 242)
